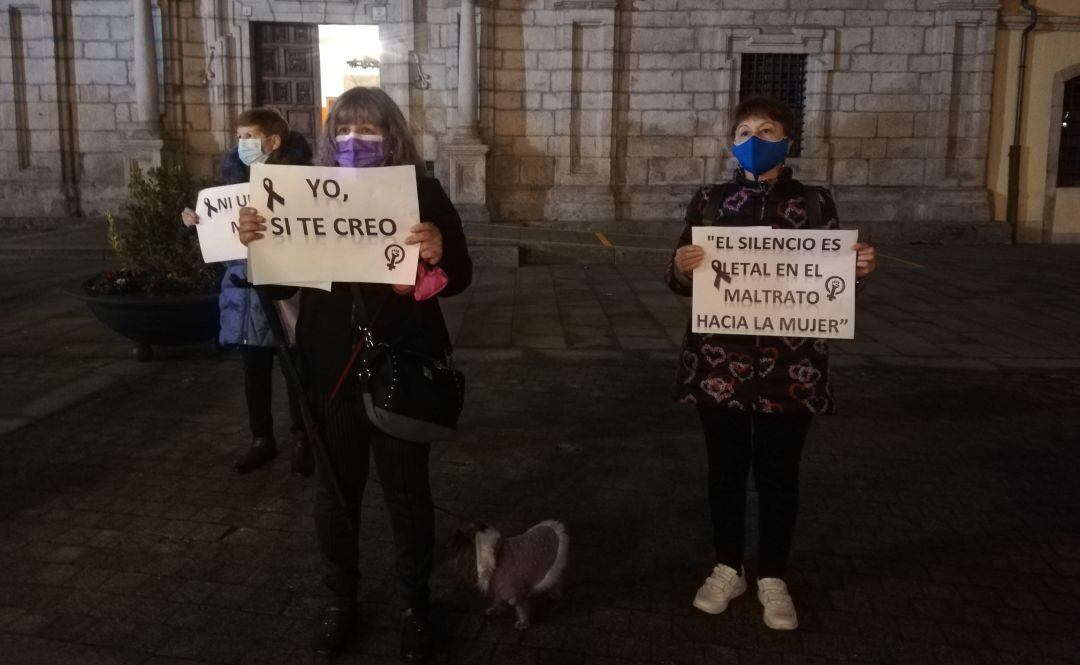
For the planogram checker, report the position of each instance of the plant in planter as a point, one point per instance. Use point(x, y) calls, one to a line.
point(161, 293)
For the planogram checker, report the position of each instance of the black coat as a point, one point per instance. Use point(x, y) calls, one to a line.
point(327, 325)
point(763, 374)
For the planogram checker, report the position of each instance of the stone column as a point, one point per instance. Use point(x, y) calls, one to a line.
point(143, 142)
point(465, 124)
point(147, 104)
point(463, 166)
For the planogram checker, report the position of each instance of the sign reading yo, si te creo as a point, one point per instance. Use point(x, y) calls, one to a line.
point(329, 224)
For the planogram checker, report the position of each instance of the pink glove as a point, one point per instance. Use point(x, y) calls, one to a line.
point(429, 281)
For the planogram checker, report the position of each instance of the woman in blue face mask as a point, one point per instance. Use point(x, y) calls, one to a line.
point(366, 129)
point(756, 396)
point(262, 136)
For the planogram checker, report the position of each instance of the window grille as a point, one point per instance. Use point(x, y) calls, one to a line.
point(779, 75)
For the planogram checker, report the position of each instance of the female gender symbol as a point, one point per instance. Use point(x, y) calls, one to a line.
point(394, 255)
point(834, 286)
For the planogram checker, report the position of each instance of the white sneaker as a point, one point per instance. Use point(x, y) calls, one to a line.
point(724, 584)
point(779, 610)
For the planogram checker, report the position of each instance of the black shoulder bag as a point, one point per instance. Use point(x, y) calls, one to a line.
point(405, 394)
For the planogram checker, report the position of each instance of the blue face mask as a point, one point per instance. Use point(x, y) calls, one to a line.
point(251, 151)
point(759, 156)
point(359, 150)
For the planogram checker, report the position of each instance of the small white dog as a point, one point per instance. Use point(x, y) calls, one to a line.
point(513, 570)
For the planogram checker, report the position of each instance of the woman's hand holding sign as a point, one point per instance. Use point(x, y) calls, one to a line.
point(687, 259)
point(865, 261)
point(251, 225)
point(189, 218)
point(428, 236)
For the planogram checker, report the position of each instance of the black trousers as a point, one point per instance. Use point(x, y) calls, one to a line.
point(258, 389)
point(771, 445)
point(403, 472)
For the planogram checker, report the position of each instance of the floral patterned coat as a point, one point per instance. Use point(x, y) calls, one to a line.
point(763, 374)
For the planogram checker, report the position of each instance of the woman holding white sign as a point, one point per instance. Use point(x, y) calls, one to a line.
point(365, 128)
point(756, 395)
point(263, 136)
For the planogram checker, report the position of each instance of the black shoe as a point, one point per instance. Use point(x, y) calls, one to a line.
point(416, 636)
point(303, 459)
point(262, 450)
point(335, 629)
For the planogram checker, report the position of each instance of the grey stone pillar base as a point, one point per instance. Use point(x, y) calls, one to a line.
point(462, 170)
point(142, 150)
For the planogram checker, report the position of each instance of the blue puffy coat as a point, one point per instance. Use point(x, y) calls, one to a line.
point(243, 320)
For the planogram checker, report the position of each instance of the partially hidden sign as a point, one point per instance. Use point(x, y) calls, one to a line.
point(328, 224)
point(765, 281)
point(218, 209)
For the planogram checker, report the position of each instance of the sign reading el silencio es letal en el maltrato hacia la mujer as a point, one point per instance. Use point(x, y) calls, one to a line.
point(781, 282)
point(329, 224)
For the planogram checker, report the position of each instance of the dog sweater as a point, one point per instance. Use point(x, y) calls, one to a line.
point(524, 562)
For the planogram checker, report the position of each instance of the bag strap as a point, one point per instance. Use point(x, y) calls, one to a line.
point(360, 345)
point(712, 206)
point(359, 308)
point(713, 210)
point(364, 340)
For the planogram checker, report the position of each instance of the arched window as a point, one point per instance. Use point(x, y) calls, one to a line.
point(1069, 152)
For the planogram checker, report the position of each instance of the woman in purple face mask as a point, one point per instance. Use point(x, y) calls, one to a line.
point(365, 129)
point(756, 396)
point(354, 150)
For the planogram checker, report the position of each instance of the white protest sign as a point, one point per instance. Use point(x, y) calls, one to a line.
point(328, 224)
point(325, 286)
point(218, 209)
point(764, 281)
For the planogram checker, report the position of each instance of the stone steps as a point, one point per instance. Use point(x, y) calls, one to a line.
point(554, 246)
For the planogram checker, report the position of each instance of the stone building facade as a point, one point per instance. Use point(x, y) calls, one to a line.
point(569, 113)
point(1048, 205)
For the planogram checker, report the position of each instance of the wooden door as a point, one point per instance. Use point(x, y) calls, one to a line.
point(285, 58)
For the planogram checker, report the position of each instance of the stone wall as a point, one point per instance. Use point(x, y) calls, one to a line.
point(66, 87)
point(594, 109)
point(898, 96)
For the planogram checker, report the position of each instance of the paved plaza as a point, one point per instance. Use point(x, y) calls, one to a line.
point(939, 521)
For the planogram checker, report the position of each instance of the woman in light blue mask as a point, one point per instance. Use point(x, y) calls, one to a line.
point(262, 136)
point(756, 396)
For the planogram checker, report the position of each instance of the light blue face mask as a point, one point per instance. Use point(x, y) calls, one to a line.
point(759, 156)
point(250, 151)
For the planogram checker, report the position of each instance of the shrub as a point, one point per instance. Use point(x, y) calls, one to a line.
point(157, 253)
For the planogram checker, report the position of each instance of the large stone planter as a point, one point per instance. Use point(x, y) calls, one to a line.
point(151, 321)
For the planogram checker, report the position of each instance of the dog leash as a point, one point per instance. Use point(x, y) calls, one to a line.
point(451, 513)
point(292, 377)
point(445, 511)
